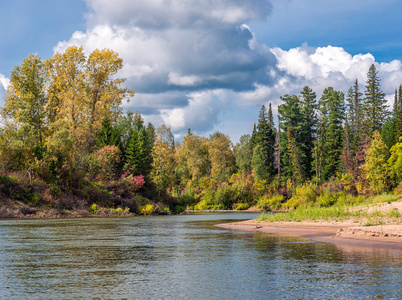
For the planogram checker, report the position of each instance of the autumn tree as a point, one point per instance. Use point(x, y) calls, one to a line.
point(221, 156)
point(26, 97)
point(103, 92)
point(244, 154)
point(395, 163)
point(376, 168)
point(163, 164)
point(66, 86)
point(192, 158)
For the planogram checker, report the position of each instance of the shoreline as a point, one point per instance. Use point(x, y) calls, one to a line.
point(337, 233)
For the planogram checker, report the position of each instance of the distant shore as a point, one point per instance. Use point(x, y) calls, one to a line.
point(339, 233)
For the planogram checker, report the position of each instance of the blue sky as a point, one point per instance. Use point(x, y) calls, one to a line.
point(210, 65)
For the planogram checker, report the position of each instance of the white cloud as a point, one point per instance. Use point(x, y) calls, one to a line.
point(202, 112)
point(190, 60)
point(4, 83)
point(333, 66)
point(176, 79)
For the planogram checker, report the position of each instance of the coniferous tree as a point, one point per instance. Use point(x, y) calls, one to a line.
point(308, 105)
point(398, 114)
point(295, 159)
point(331, 143)
point(266, 139)
point(277, 153)
point(291, 119)
point(270, 116)
point(354, 116)
point(253, 138)
point(108, 135)
point(347, 149)
point(375, 106)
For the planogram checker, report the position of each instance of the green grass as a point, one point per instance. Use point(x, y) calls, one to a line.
point(311, 214)
point(336, 214)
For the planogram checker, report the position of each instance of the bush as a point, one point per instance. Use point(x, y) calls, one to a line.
point(241, 206)
point(305, 196)
point(148, 209)
point(104, 163)
point(270, 203)
point(93, 209)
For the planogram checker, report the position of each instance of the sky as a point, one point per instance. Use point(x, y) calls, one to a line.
point(211, 65)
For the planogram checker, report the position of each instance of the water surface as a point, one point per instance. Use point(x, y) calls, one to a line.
point(183, 257)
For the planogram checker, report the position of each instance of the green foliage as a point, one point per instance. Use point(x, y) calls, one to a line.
point(244, 153)
point(304, 196)
point(93, 209)
point(376, 167)
point(395, 162)
point(389, 133)
point(148, 209)
point(330, 141)
point(108, 135)
point(103, 164)
point(270, 202)
point(375, 106)
point(241, 206)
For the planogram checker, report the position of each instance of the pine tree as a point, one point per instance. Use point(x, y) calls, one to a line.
point(398, 115)
point(375, 106)
point(355, 116)
point(331, 143)
point(270, 116)
point(266, 140)
point(277, 153)
point(108, 135)
point(291, 119)
point(253, 138)
point(308, 105)
point(295, 159)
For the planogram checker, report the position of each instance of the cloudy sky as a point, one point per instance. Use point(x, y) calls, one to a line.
point(210, 65)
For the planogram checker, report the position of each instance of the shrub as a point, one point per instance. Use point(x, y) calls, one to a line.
point(305, 196)
point(148, 209)
point(93, 209)
point(270, 203)
point(241, 206)
point(103, 164)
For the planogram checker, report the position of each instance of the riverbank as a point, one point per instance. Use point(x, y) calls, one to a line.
point(340, 233)
point(379, 226)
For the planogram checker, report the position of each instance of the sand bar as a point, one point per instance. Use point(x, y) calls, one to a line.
point(339, 233)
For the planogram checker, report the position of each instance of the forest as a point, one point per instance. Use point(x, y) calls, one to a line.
point(66, 144)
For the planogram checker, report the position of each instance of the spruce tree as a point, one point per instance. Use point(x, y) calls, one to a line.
point(270, 116)
point(354, 116)
point(108, 135)
point(331, 143)
point(277, 153)
point(265, 139)
point(308, 105)
point(375, 106)
point(291, 119)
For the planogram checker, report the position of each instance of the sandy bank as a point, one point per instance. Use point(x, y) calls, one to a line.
point(340, 233)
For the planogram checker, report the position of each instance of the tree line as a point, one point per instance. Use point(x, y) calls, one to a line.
point(64, 126)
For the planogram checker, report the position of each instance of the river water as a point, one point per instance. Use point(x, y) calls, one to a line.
point(183, 257)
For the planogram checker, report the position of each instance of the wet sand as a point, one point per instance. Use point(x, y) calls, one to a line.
point(339, 233)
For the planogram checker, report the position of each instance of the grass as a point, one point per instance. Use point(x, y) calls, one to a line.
point(335, 214)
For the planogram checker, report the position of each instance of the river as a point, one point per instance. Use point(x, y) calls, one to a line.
point(183, 257)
